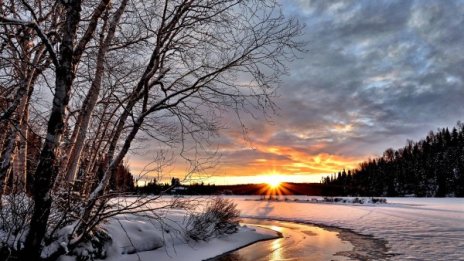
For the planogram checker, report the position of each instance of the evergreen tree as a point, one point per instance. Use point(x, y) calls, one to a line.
point(432, 167)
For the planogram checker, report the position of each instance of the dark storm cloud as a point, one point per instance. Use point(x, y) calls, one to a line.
point(391, 69)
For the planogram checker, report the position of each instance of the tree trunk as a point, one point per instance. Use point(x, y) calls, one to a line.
point(110, 170)
point(92, 96)
point(16, 145)
point(14, 150)
point(20, 161)
point(47, 168)
point(7, 155)
point(12, 136)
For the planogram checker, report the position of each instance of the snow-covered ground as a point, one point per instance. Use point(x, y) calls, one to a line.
point(144, 238)
point(415, 228)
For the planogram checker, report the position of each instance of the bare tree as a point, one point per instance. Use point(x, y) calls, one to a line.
point(125, 69)
point(23, 60)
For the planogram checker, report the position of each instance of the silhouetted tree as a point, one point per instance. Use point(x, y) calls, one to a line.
point(431, 167)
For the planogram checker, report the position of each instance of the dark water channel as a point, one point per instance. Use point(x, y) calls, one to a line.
point(308, 242)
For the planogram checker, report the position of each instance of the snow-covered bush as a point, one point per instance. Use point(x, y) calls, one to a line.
point(15, 214)
point(93, 247)
point(15, 217)
point(355, 200)
point(219, 217)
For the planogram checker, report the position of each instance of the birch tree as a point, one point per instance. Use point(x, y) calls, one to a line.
point(123, 69)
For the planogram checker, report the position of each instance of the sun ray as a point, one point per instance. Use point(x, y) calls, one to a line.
point(274, 185)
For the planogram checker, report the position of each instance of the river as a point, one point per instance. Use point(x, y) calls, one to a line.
point(308, 242)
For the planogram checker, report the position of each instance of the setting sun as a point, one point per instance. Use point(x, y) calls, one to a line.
point(273, 180)
point(273, 183)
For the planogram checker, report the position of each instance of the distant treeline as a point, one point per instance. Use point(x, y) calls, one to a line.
point(154, 187)
point(431, 167)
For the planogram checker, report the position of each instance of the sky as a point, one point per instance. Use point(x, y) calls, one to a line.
point(375, 74)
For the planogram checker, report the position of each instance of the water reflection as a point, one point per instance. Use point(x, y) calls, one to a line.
point(276, 249)
point(299, 242)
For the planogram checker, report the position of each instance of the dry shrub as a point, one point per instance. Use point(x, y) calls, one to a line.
point(219, 217)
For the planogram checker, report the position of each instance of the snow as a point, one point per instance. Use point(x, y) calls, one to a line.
point(145, 237)
point(175, 250)
point(133, 235)
point(415, 228)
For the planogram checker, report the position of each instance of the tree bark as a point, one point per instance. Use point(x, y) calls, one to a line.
point(47, 168)
point(12, 136)
point(92, 96)
point(17, 144)
point(23, 150)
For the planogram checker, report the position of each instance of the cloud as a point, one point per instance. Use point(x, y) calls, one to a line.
point(387, 68)
point(376, 73)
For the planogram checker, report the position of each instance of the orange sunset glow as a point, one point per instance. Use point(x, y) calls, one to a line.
point(260, 157)
point(272, 165)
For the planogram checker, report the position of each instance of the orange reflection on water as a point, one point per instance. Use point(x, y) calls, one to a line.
point(276, 246)
point(300, 242)
point(276, 250)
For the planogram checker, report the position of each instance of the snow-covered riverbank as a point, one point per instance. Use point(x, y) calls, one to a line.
point(162, 238)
